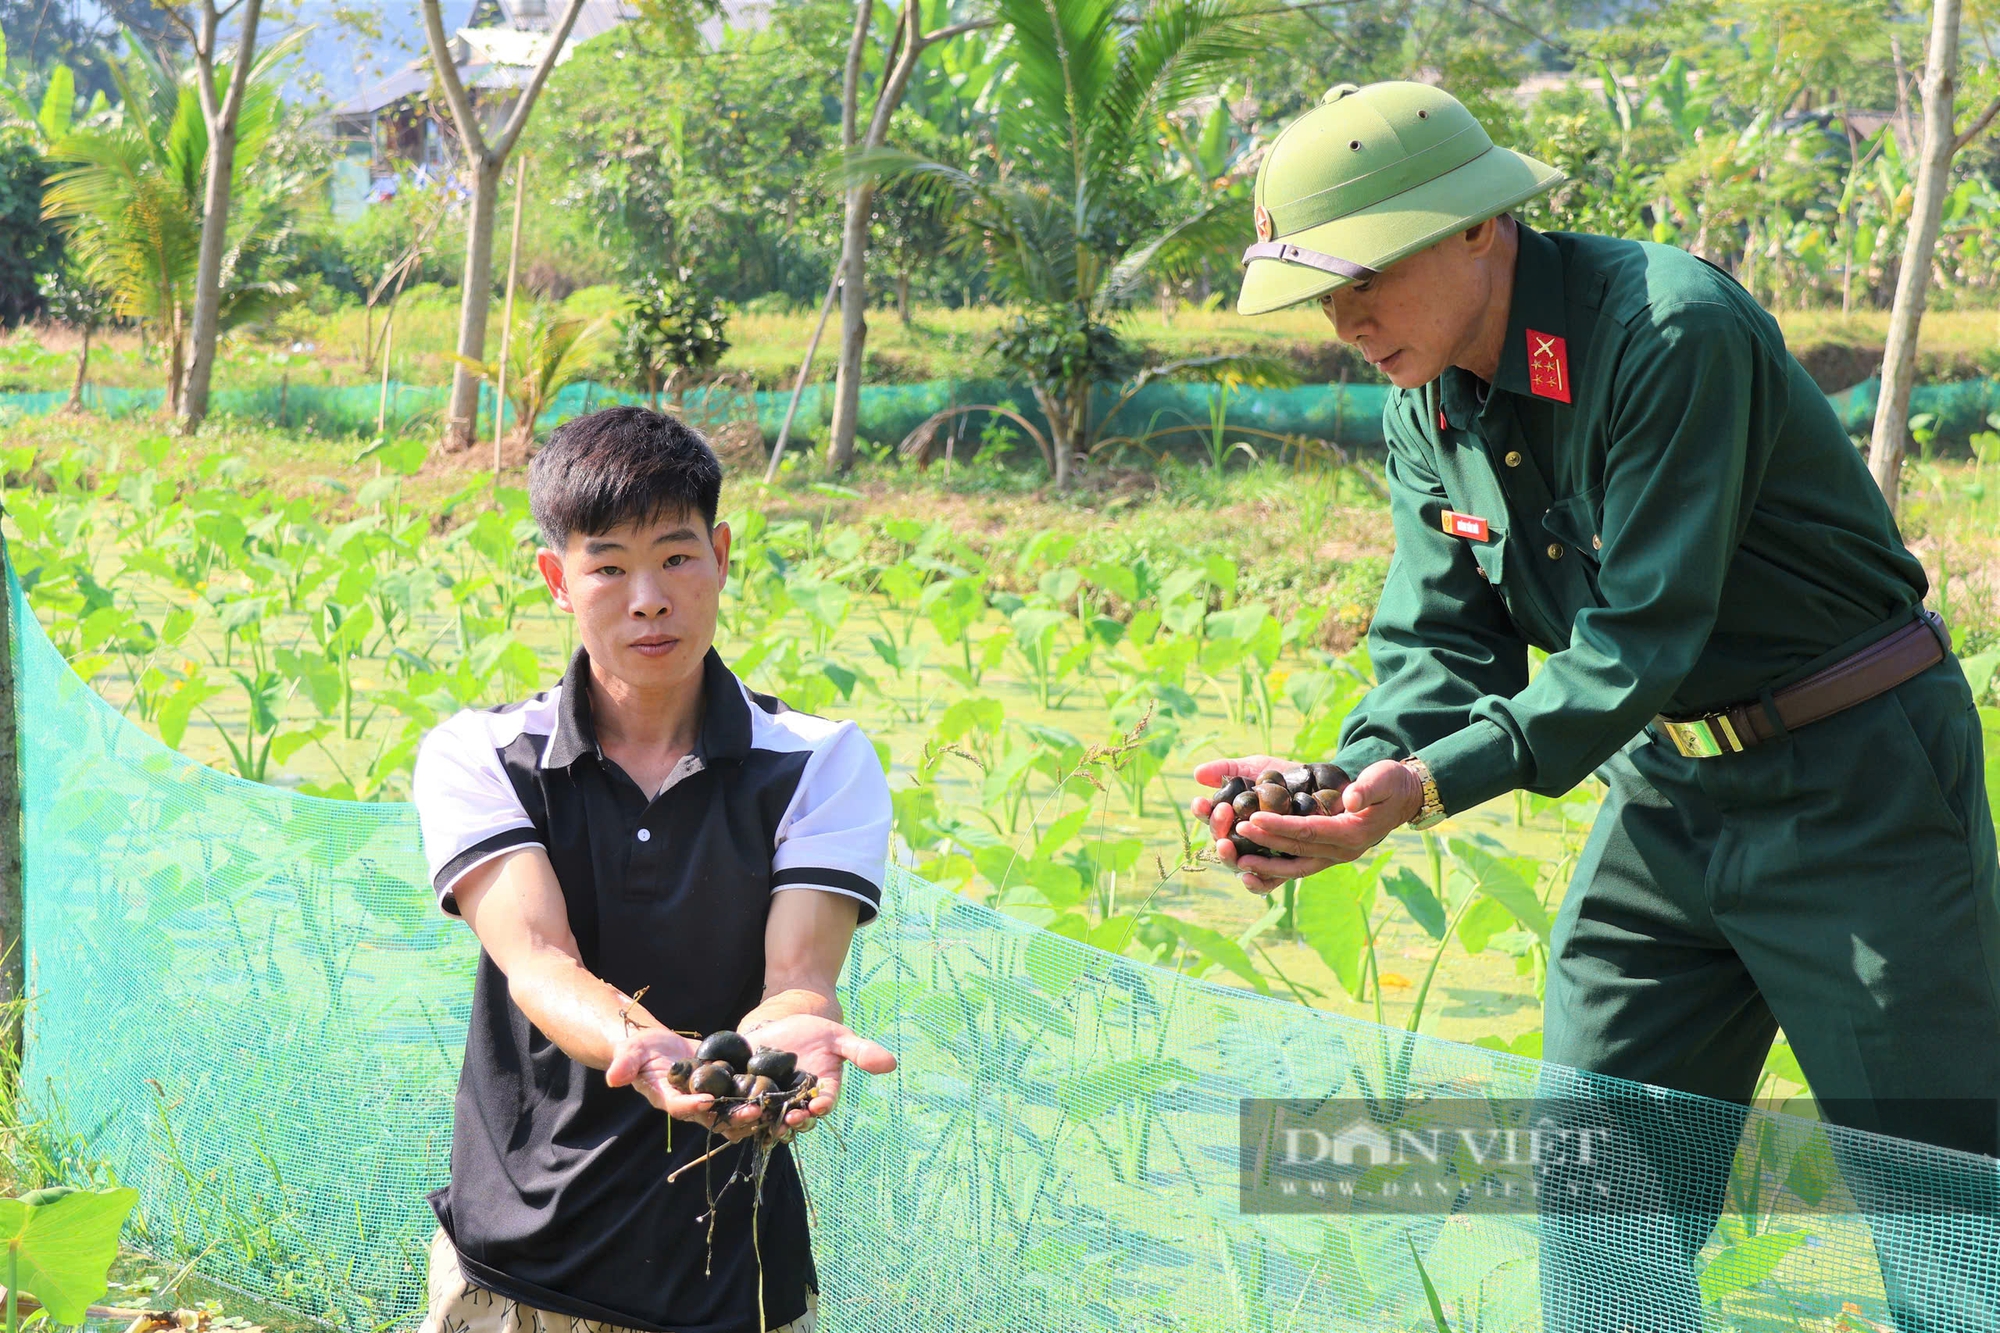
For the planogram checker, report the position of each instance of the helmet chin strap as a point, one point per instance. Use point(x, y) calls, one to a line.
point(1286, 252)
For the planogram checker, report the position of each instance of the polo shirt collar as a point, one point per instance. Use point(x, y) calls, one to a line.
point(1536, 304)
point(725, 722)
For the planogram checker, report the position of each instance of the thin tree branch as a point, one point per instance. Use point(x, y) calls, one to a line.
point(1510, 20)
point(239, 77)
point(454, 89)
point(850, 86)
point(960, 29)
point(1977, 127)
point(526, 102)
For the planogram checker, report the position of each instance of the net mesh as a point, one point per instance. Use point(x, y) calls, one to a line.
point(245, 1005)
point(1348, 415)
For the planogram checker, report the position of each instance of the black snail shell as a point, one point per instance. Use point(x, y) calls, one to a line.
point(776, 1065)
point(678, 1074)
point(760, 1088)
point(1303, 804)
point(726, 1046)
point(1327, 801)
point(1326, 775)
point(1299, 780)
point(1230, 790)
point(744, 1085)
point(1245, 804)
point(1270, 775)
point(713, 1079)
point(1273, 798)
point(803, 1079)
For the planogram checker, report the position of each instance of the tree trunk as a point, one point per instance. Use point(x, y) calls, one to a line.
point(853, 330)
point(475, 302)
point(75, 403)
point(1899, 360)
point(176, 364)
point(222, 124)
point(903, 296)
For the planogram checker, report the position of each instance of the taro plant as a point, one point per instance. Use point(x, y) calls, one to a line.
point(60, 1246)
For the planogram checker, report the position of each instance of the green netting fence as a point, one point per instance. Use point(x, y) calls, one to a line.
point(245, 1005)
point(1349, 415)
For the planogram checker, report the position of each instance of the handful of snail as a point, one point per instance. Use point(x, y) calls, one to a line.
point(1310, 789)
point(726, 1069)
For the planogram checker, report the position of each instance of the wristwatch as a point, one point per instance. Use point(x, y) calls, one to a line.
point(1432, 810)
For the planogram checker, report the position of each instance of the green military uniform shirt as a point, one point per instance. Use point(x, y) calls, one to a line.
point(1653, 492)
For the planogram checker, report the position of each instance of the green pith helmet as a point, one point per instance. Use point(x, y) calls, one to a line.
point(1368, 176)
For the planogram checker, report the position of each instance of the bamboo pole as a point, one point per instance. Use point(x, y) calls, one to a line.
point(507, 319)
point(799, 385)
point(388, 350)
point(13, 902)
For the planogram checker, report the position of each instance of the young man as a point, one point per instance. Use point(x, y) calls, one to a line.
point(648, 824)
point(1601, 448)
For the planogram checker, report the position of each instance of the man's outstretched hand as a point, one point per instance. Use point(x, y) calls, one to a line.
point(1384, 798)
point(824, 1049)
point(642, 1059)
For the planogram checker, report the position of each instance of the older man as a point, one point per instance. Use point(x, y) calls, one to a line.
point(1602, 449)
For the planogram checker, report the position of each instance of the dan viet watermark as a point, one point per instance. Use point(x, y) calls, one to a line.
point(1581, 1155)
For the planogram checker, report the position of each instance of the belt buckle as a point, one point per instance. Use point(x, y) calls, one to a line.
point(1703, 737)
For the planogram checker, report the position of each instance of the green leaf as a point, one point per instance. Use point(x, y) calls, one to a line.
point(1501, 880)
point(1061, 832)
point(973, 711)
point(1093, 1092)
point(58, 102)
point(1217, 950)
point(65, 1246)
point(177, 708)
point(1333, 913)
point(1481, 922)
point(1430, 1289)
point(1408, 888)
point(1746, 1263)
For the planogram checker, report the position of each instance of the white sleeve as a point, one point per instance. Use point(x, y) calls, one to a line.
point(835, 835)
point(467, 809)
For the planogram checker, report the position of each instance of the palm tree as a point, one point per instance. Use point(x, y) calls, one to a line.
point(550, 354)
point(130, 205)
point(1083, 212)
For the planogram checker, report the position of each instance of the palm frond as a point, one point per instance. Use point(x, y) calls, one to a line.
point(1177, 251)
point(1178, 52)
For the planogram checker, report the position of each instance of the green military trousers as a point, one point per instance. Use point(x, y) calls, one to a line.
point(1838, 881)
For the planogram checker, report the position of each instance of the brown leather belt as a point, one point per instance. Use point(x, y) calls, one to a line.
point(1880, 667)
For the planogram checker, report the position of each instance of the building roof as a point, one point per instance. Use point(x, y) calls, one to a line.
point(494, 57)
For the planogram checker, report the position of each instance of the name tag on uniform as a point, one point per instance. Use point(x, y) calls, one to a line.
point(1469, 526)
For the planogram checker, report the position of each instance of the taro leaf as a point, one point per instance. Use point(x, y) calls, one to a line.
point(1748, 1262)
point(1053, 964)
point(1217, 950)
point(1501, 880)
point(175, 710)
point(1528, 1044)
point(974, 711)
point(286, 744)
point(1408, 888)
point(1061, 832)
point(1113, 933)
point(64, 1244)
point(1220, 570)
point(1095, 1091)
point(1117, 579)
point(1481, 922)
point(1060, 585)
point(1333, 911)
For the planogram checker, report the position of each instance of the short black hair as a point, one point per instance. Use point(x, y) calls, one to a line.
point(617, 466)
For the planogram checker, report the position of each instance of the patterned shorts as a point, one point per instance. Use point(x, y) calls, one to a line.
point(457, 1306)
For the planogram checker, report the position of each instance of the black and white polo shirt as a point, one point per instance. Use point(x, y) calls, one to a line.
point(558, 1194)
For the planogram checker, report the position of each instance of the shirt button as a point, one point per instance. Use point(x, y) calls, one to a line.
point(1596, 542)
point(645, 835)
point(1513, 458)
point(1482, 570)
point(1555, 551)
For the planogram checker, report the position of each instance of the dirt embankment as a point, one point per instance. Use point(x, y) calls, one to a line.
point(1836, 365)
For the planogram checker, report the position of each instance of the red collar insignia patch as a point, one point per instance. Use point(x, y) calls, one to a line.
point(1470, 526)
point(1548, 366)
